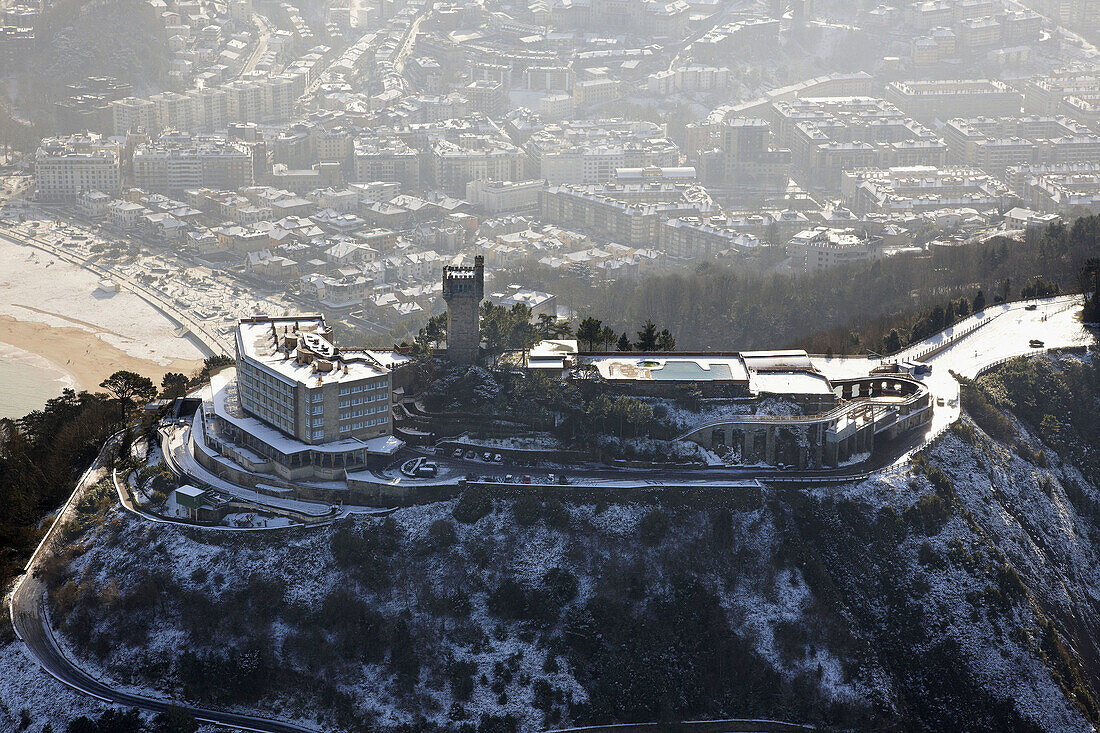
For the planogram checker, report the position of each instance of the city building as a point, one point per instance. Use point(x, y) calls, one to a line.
point(584, 152)
point(750, 166)
point(916, 189)
point(995, 144)
point(927, 101)
point(388, 160)
point(501, 197)
point(66, 167)
point(178, 162)
point(823, 248)
point(455, 164)
point(608, 211)
point(1057, 188)
point(827, 136)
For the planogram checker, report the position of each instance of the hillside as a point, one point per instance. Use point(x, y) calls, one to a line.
point(849, 309)
point(958, 596)
point(79, 40)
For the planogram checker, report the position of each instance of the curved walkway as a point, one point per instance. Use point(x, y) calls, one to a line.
point(30, 620)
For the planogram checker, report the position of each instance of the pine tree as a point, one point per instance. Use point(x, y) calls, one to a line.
point(128, 387)
point(892, 344)
point(588, 332)
point(647, 337)
point(624, 343)
point(607, 337)
point(666, 341)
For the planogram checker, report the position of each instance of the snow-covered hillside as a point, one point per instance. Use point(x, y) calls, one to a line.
point(960, 596)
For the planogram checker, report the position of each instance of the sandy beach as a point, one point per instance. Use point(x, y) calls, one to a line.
point(53, 309)
point(83, 354)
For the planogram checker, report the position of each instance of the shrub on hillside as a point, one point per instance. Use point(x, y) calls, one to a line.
point(474, 504)
point(988, 417)
point(653, 527)
point(527, 510)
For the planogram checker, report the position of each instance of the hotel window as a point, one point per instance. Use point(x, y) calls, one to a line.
point(345, 390)
point(316, 396)
point(318, 434)
point(318, 422)
point(345, 428)
point(357, 426)
point(317, 409)
point(345, 403)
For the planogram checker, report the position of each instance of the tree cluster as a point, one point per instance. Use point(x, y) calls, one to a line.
point(174, 720)
point(41, 456)
point(848, 309)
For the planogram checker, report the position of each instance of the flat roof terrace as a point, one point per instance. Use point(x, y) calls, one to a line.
point(266, 342)
point(651, 367)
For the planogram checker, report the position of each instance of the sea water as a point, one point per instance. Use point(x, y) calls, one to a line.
point(27, 380)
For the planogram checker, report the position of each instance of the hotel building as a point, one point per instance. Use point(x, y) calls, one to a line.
point(299, 406)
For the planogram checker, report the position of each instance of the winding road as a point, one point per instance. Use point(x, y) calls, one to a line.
point(30, 619)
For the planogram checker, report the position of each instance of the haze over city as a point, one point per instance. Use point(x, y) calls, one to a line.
point(724, 366)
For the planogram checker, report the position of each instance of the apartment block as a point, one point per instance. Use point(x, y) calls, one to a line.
point(178, 162)
point(926, 101)
point(67, 167)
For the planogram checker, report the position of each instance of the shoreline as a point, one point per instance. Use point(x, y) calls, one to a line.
point(82, 354)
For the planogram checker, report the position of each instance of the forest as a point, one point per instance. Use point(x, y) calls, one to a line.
point(844, 310)
point(41, 456)
point(43, 453)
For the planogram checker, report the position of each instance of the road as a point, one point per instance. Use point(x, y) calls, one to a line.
point(30, 619)
point(261, 44)
point(409, 42)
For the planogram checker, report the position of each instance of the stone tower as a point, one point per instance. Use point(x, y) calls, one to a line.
point(463, 289)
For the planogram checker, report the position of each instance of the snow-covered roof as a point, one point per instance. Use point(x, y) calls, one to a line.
point(264, 342)
point(789, 383)
point(652, 367)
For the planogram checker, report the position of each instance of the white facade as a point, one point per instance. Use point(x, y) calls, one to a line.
point(65, 168)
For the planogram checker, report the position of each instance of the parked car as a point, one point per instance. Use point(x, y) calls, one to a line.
point(427, 469)
point(1031, 307)
point(457, 453)
point(526, 478)
point(497, 458)
point(1036, 344)
point(551, 478)
point(509, 479)
point(470, 455)
point(486, 456)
